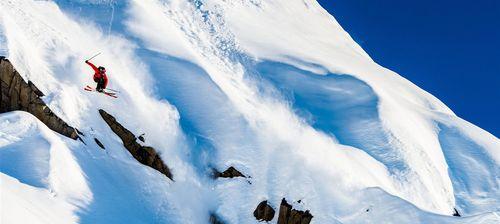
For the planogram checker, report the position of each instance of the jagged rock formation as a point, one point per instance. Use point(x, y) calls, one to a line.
point(264, 212)
point(231, 172)
point(99, 143)
point(141, 138)
point(214, 219)
point(16, 94)
point(288, 215)
point(144, 154)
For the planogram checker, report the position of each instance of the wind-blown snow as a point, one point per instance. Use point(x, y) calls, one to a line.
point(275, 88)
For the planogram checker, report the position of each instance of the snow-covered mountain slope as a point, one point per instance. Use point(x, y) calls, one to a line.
point(276, 89)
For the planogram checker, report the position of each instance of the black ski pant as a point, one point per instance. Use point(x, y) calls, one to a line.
point(100, 84)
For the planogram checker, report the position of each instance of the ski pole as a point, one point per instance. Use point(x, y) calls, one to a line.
point(94, 56)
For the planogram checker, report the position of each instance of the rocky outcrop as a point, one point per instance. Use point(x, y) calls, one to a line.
point(99, 143)
point(264, 212)
point(143, 154)
point(214, 219)
point(231, 172)
point(141, 138)
point(16, 94)
point(288, 215)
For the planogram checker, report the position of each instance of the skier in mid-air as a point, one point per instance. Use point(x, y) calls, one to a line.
point(99, 76)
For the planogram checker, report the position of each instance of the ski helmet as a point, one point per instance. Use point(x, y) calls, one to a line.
point(102, 69)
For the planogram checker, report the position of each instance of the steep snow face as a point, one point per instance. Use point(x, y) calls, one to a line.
point(276, 89)
point(3, 41)
point(41, 181)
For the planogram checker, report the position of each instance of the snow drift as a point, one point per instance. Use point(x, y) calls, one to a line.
point(276, 89)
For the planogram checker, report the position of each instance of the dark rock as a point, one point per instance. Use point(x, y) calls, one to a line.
point(214, 219)
point(141, 138)
point(79, 132)
point(456, 213)
point(99, 143)
point(229, 173)
point(143, 154)
point(288, 215)
point(79, 138)
point(16, 94)
point(35, 89)
point(264, 212)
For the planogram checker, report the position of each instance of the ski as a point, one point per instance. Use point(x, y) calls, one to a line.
point(91, 89)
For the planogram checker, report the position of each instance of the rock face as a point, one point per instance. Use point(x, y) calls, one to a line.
point(16, 94)
point(229, 173)
point(144, 154)
point(141, 138)
point(288, 215)
point(264, 212)
point(214, 219)
point(99, 143)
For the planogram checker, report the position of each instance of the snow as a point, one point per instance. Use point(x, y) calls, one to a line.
point(276, 89)
point(3, 41)
point(27, 204)
point(49, 184)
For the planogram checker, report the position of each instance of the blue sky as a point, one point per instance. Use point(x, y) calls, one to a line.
point(449, 48)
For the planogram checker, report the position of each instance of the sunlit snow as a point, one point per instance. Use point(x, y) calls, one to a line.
point(276, 89)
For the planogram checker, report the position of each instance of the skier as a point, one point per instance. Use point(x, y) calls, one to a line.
point(99, 76)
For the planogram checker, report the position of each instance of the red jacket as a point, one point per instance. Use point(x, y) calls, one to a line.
point(98, 75)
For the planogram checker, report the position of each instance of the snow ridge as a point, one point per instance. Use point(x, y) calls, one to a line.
point(298, 107)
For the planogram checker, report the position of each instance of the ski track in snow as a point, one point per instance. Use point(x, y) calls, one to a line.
point(298, 106)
